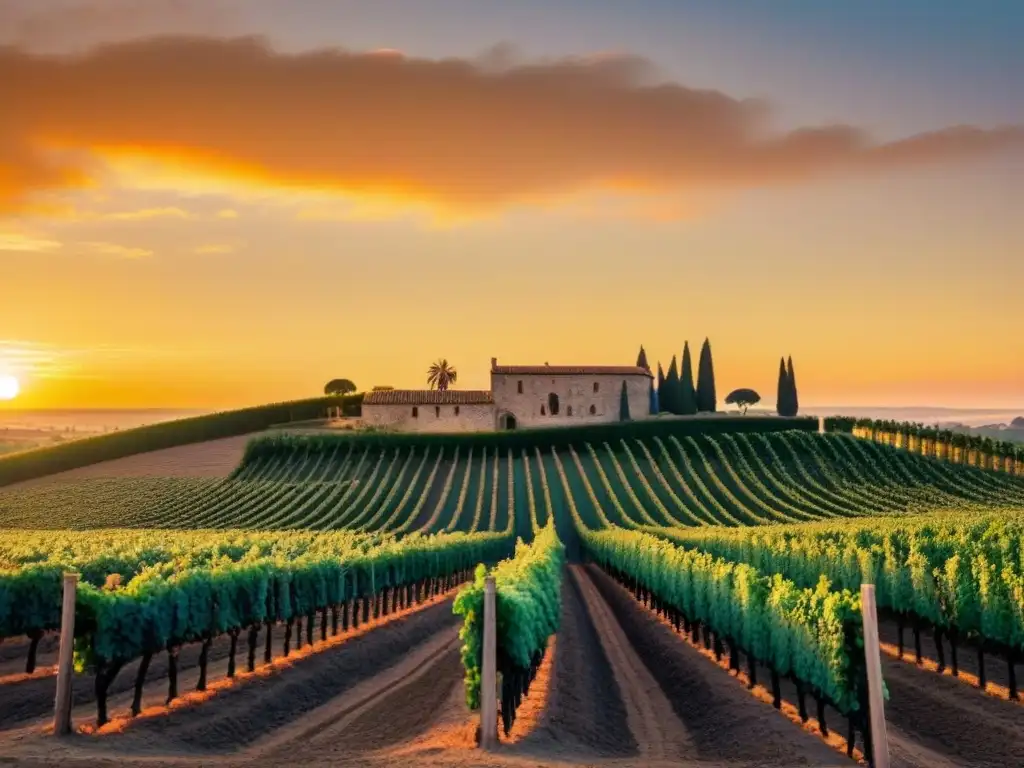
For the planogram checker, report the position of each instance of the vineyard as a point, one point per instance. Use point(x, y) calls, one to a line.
point(741, 547)
point(341, 484)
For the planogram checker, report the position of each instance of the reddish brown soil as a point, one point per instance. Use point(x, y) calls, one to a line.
point(585, 715)
point(996, 667)
point(931, 715)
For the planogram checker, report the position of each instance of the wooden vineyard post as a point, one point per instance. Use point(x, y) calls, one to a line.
point(489, 671)
point(876, 703)
point(65, 661)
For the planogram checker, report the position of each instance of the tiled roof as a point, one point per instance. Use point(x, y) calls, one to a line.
point(429, 397)
point(570, 370)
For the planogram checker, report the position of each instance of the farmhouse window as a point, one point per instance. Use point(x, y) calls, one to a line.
point(568, 411)
point(593, 409)
point(456, 410)
point(437, 411)
point(597, 386)
point(520, 387)
point(542, 411)
point(553, 404)
point(415, 412)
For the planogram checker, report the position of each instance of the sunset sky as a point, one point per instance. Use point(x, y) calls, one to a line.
point(216, 203)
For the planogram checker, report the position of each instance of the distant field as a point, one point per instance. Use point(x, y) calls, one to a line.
point(213, 458)
point(87, 451)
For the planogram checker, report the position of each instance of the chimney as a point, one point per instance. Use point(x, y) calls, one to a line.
point(494, 363)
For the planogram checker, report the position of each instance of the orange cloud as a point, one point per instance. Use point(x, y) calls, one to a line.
point(48, 25)
point(453, 134)
point(145, 214)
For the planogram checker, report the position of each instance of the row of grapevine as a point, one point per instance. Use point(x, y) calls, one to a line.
point(186, 598)
point(812, 636)
point(32, 563)
point(528, 608)
point(959, 572)
point(934, 442)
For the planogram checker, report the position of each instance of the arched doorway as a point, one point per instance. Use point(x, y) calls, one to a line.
point(507, 421)
point(553, 404)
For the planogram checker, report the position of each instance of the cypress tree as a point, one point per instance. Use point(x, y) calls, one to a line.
point(707, 400)
point(641, 359)
point(653, 396)
point(668, 398)
point(687, 394)
point(782, 402)
point(662, 392)
point(624, 404)
point(794, 398)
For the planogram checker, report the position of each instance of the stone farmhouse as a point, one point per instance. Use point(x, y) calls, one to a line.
point(520, 396)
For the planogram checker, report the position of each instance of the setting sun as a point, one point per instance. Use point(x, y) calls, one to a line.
point(9, 388)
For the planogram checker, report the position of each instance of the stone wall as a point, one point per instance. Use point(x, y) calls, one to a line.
point(430, 418)
point(576, 395)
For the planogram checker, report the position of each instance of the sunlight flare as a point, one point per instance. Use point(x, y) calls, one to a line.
point(9, 387)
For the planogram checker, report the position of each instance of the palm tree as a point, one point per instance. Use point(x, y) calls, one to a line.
point(440, 375)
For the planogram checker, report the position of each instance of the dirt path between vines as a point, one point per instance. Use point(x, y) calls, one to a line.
point(585, 716)
point(725, 722)
point(658, 732)
point(936, 721)
point(264, 713)
point(379, 712)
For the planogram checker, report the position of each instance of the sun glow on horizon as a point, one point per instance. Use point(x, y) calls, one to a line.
point(9, 387)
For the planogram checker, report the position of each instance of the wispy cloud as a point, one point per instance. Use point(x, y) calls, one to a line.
point(44, 360)
point(146, 214)
point(214, 248)
point(47, 25)
point(457, 135)
point(227, 213)
point(117, 251)
point(27, 358)
point(19, 243)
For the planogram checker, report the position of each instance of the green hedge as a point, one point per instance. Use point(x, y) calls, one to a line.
point(517, 440)
point(840, 424)
point(115, 445)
